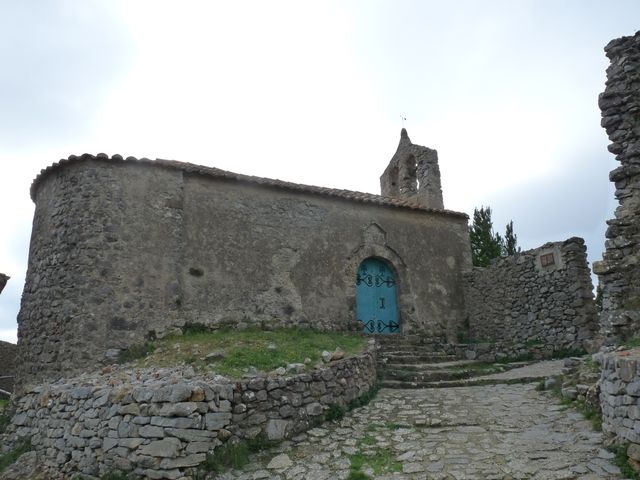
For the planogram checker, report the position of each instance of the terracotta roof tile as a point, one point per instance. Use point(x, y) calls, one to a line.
point(218, 173)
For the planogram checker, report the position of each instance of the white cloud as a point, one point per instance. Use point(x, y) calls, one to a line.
point(311, 92)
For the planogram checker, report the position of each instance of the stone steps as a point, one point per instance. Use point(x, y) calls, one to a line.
point(411, 362)
point(407, 357)
point(386, 341)
point(469, 382)
point(395, 374)
point(430, 366)
point(428, 373)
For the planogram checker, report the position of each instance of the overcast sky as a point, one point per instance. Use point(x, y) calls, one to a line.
point(313, 92)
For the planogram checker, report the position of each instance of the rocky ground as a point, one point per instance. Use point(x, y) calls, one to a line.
point(483, 432)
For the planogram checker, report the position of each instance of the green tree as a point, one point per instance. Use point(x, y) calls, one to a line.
point(485, 244)
point(510, 241)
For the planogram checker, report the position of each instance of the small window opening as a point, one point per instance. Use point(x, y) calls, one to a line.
point(547, 259)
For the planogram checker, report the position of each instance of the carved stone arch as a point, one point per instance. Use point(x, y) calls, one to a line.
point(374, 245)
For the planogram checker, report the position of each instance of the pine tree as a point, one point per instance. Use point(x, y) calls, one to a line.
point(510, 241)
point(485, 244)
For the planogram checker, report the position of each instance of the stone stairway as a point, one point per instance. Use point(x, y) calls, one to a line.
point(412, 362)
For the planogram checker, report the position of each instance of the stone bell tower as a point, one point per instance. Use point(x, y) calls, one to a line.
point(413, 174)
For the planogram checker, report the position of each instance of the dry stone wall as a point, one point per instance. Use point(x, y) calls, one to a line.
point(619, 271)
point(159, 423)
point(542, 296)
point(620, 399)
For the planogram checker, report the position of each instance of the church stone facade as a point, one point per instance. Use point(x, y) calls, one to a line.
point(124, 250)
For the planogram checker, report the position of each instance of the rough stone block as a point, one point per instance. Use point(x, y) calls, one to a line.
point(192, 460)
point(277, 429)
point(216, 421)
point(165, 448)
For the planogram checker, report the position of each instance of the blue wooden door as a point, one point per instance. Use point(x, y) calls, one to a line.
point(376, 303)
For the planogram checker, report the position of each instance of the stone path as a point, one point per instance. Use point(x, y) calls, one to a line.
point(542, 369)
point(488, 432)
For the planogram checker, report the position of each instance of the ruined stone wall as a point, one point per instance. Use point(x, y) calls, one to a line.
point(518, 299)
point(619, 270)
point(125, 250)
point(159, 423)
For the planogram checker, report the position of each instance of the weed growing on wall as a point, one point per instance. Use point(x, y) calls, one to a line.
point(335, 412)
point(6, 413)
point(589, 413)
point(236, 454)
point(621, 460)
point(11, 456)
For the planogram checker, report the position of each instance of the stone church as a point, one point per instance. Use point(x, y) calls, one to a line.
point(125, 250)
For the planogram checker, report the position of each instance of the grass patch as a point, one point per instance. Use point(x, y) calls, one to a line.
point(367, 440)
point(227, 456)
point(621, 460)
point(633, 342)
point(262, 349)
point(533, 343)
point(591, 366)
point(11, 456)
point(381, 461)
point(589, 413)
point(358, 475)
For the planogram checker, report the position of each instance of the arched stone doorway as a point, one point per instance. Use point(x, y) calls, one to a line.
point(376, 297)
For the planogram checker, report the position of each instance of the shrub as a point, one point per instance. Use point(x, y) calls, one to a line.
point(335, 412)
point(135, 352)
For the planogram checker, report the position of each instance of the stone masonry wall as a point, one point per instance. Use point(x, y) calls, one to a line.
point(123, 250)
point(8, 353)
point(620, 399)
point(619, 271)
point(158, 423)
point(521, 299)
